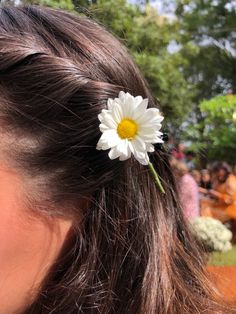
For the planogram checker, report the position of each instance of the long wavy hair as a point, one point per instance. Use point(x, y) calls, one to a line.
point(130, 250)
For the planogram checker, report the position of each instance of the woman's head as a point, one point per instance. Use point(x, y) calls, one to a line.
point(103, 237)
point(220, 171)
point(205, 176)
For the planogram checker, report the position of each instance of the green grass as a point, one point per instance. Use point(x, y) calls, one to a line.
point(224, 259)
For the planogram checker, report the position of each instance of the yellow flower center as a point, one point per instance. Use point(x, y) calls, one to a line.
point(127, 128)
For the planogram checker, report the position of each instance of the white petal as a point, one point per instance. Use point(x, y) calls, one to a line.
point(157, 140)
point(126, 154)
point(123, 154)
point(150, 148)
point(141, 157)
point(158, 133)
point(140, 109)
point(122, 150)
point(102, 145)
point(123, 147)
point(137, 154)
point(152, 139)
point(124, 157)
point(160, 118)
point(149, 132)
point(109, 121)
point(108, 139)
point(103, 127)
point(157, 119)
point(114, 153)
point(145, 161)
point(128, 106)
point(110, 103)
point(117, 112)
point(149, 115)
point(150, 128)
point(138, 100)
point(102, 115)
point(139, 151)
point(139, 143)
point(122, 95)
point(128, 96)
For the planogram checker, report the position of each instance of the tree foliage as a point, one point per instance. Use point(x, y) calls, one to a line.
point(210, 25)
point(216, 132)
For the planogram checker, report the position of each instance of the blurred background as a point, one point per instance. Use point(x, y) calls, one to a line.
point(186, 50)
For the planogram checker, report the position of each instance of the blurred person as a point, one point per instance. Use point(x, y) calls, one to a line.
point(223, 183)
point(82, 231)
point(178, 152)
point(205, 179)
point(197, 176)
point(189, 160)
point(221, 204)
point(188, 190)
point(204, 187)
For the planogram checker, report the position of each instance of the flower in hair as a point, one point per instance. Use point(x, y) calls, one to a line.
point(130, 128)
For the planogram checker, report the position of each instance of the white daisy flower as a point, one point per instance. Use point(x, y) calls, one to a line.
point(128, 127)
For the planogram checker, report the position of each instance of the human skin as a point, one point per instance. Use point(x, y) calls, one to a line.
point(29, 244)
point(222, 175)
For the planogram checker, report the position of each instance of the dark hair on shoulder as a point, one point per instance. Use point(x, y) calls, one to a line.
point(132, 251)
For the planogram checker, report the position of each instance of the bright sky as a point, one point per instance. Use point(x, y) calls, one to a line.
point(163, 6)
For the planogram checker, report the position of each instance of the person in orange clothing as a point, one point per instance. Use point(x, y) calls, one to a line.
point(222, 202)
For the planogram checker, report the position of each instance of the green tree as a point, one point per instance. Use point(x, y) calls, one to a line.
point(210, 25)
point(216, 132)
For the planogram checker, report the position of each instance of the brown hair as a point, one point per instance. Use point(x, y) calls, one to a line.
point(132, 252)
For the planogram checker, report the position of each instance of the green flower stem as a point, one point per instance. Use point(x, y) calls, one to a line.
point(156, 177)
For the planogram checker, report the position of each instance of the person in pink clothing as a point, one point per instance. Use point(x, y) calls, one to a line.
point(188, 190)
